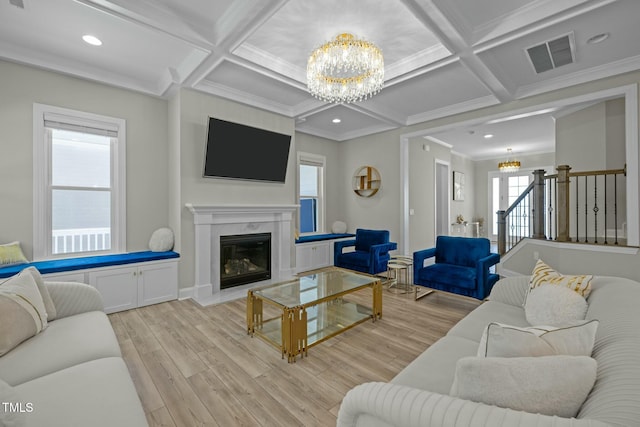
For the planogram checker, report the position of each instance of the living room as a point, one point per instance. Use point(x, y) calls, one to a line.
point(166, 134)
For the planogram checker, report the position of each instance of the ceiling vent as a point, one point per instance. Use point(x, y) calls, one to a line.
point(17, 3)
point(552, 54)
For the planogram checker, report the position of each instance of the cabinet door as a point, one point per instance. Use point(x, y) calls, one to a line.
point(321, 255)
point(118, 287)
point(157, 283)
point(304, 257)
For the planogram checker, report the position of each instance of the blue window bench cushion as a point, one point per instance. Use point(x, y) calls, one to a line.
point(320, 237)
point(463, 277)
point(82, 263)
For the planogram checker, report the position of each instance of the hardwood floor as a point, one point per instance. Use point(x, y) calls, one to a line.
point(196, 366)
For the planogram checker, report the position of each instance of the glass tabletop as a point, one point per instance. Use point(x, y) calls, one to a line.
point(309, 290)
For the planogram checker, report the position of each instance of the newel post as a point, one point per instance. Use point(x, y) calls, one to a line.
point(562, 209)
point(502, 233)
point(538, 204)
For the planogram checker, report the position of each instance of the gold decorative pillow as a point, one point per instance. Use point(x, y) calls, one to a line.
point(22, 312)
point(11, 253)
point(542, 274)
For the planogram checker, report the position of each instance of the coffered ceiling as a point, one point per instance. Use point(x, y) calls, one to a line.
point(441, 56)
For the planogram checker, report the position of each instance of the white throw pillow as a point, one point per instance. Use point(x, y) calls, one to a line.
point(22, 312)
point(44, 293)
point(499, 340)
point(339, 227)
point(161, 240)
point(554, 305)
point(549, 385)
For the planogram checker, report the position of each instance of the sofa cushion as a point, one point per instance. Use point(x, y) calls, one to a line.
point(460, 276)
point(96, 393)
point(434, 369)
point(472, 326)
point(22, 311)
point(549, 385)
point(500, 340)
point(66, 342)
point(554, 305)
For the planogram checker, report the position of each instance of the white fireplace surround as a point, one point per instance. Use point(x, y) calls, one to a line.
point(213, 221)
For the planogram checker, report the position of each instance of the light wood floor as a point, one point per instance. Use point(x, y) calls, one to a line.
point(196, 366)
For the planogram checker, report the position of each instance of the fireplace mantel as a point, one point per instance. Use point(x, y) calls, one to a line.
point(213, 221)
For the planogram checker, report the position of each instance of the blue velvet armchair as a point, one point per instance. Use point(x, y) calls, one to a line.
point(461, 266)
point(371, 251)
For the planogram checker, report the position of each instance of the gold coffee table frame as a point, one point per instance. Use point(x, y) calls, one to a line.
point(313, 309)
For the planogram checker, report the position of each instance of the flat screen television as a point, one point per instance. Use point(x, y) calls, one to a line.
point(238, 151)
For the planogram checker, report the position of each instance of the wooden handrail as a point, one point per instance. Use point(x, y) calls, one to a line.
point(519, 199)
point(600, 172)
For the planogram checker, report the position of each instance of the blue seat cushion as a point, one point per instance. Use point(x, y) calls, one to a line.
point(358, 258)
point(454, 275)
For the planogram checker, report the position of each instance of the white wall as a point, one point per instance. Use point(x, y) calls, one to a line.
point(466, 207)
point(147, 155)
point(381, 211)
point(195, 109)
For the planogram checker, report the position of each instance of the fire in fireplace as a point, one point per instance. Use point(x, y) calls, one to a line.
point(244, 258)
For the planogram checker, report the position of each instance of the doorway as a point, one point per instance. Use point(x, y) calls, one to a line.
point(504, 189)
point(442, 198)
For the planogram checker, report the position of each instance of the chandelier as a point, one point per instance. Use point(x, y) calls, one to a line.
point(509, 165)
point(346, 70)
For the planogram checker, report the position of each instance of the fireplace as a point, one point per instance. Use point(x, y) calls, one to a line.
point(244, 258)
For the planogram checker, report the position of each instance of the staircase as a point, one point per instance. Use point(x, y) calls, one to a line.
point(581, 207)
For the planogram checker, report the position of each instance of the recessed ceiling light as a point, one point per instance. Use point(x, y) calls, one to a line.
point(92, 40)
point(488, 135)
point(598, 38)
point(336, 120)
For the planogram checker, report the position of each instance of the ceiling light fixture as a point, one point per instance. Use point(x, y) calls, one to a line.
point(598, 38)
point(336, 120)
point(509, 165)
point(488, 136)
point(92, 40)
point(345, 70)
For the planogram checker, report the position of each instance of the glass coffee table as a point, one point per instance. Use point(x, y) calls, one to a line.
point(312, 309)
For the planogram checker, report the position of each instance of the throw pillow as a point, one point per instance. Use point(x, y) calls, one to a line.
point(549, 385)
point(499, 340)
point(22, 312)
point(161, 240)
point(554, 305)
point(543, 274)
point(44, 293)
point(11, 253)
point(339, 227)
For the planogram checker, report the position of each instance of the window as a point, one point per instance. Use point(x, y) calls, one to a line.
point(504, 190)
point(311, 192)
point(79, 186)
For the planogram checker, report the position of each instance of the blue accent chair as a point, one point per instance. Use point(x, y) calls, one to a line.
point(461, 266)
point(371, 251)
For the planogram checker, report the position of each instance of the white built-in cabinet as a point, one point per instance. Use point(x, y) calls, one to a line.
point(128, 286)
point(313, 255)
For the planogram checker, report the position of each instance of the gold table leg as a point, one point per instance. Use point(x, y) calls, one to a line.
point(254, 313)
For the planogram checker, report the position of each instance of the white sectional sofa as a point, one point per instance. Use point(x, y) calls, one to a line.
point(72, 373)
point(420, 394)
